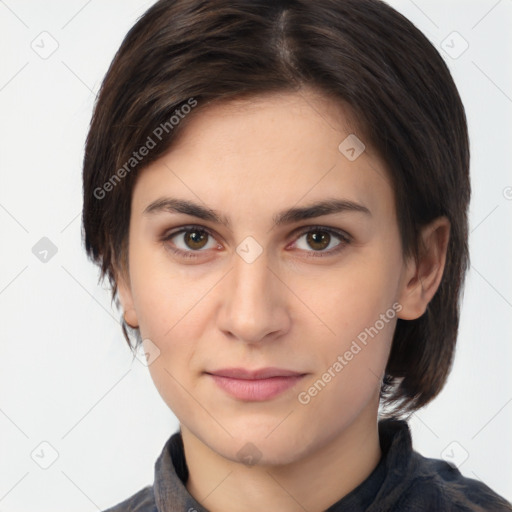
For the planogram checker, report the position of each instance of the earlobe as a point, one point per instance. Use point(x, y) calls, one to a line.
point(423, 277)
point(130, 318)
point(126, 299)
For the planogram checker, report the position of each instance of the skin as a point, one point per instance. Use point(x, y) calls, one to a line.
point(288, 308)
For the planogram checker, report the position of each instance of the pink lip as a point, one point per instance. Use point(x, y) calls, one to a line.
point(256, 385)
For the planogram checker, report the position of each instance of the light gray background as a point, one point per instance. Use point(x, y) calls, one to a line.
point(67, 377)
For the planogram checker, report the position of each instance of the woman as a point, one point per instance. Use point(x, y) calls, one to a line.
point(278, 194)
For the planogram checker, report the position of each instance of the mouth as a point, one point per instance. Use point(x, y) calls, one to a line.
point(255, 385)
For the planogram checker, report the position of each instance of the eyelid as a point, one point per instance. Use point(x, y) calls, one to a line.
point(333, 231)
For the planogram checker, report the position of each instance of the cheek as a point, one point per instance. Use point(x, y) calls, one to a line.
point(352, 365)
point(172, 311)
point(356, 307)
point(352, 298)
point(175, 329)
point(164, 295)
point(175, 389)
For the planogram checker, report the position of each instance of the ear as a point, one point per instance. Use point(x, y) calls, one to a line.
point(126, 298)
point(421, 279)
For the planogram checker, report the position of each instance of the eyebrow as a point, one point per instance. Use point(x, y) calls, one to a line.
point(289, 216)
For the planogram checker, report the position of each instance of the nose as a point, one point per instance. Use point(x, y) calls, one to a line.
point(254, 307)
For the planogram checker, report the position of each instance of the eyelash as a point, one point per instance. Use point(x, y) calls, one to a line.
point(344, 240)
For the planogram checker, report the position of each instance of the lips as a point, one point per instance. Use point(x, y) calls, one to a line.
point(263, 373)
point(255, 385)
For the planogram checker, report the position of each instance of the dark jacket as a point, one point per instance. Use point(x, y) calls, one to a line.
point(403, 481)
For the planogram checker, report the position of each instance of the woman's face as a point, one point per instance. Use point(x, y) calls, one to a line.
point(233, 267)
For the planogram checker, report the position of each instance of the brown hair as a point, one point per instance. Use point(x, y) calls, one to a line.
point(362, 53)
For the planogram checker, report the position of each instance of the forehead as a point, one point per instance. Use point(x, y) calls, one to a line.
point(274, 148)
point(306, 113)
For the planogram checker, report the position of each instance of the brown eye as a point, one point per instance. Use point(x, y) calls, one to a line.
point(321, 241)
point(190, 241)
point(195, 239)
point(318, 240)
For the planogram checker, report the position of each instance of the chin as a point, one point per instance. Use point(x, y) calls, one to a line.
point(257, 447)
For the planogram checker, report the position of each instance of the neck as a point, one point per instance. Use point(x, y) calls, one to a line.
point(313, 482)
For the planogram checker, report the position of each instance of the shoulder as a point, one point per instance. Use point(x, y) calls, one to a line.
point(142, 501)
point(438, 485)
point(415, 482)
